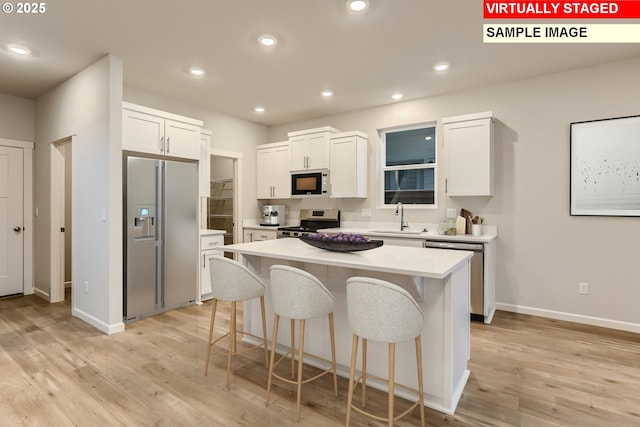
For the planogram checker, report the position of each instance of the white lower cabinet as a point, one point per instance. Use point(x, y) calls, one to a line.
point(210, 246)
point(256, 235)
point(398, 241)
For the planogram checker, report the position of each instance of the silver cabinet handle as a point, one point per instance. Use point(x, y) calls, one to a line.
point(168, 141)
point(161, 144)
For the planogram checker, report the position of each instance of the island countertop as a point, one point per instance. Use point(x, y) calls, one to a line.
point(423, 262)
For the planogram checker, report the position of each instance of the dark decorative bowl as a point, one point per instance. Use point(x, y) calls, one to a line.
point(337, 246)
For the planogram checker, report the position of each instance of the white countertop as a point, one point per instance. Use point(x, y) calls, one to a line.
point(433, 263)
point(262, 227)
point(489, 233)
point(210, 232)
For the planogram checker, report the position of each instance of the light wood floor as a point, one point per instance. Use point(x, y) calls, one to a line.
point(56, 370)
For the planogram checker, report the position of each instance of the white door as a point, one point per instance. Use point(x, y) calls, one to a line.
point(11, 221)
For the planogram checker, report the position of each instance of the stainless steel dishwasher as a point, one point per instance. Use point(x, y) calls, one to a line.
point(477, 272)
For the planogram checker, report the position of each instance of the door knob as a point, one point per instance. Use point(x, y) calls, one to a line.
point(17, 229)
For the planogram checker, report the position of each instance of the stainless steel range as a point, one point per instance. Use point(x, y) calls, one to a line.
point(312, 220)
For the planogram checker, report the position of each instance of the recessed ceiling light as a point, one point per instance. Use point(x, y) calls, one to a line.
point(19, 50)
point(397, 96)
point(259, 109)
point(267, 40)
point(327, 93)
point(441, 66)
point(357, 6)
point(197, 71)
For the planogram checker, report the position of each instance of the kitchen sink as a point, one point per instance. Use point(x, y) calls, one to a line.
point(396, 231)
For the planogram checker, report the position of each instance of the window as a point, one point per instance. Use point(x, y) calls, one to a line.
point(409, 165)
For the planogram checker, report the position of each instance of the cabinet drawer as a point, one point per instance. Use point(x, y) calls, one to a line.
point(263, 235)
point(211, 241)
point(255, 235)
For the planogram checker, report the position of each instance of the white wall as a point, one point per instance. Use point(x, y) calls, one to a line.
point(88, 107)
point(542, 251)
point(17, 118)
point(229, 133)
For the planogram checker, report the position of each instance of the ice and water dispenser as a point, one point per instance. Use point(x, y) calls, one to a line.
point(144, 222)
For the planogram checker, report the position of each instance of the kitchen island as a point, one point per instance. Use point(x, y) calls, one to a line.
point(439, 281)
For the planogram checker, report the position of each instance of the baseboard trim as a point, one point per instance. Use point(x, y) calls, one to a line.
point(570, 317)
point(42, 294)
point(103, 327)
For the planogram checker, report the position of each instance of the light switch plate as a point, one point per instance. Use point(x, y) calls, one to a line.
point(365, 212)
point(452, 213)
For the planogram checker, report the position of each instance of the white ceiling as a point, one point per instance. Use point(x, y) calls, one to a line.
point(362, 58)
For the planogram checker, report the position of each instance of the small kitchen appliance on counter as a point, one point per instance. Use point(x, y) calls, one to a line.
point(273, 215)
point(312, 220)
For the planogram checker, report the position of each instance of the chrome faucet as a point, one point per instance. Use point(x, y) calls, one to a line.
point(400, 210)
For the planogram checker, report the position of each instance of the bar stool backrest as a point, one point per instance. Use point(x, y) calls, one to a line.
point(382, 311)
point(232, 281)
point(296, 294)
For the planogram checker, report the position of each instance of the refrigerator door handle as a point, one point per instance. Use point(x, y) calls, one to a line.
point(160, 167)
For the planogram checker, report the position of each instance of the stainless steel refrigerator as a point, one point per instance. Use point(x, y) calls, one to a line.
point(161, 236)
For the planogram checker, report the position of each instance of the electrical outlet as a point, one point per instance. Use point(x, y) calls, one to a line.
point(365, 212)
point(86, 287)
point(452, 213)
point(583, 288)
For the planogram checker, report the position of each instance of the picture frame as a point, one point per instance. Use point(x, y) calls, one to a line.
point(605, 167)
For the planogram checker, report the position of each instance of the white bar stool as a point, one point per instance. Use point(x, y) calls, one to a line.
point(382, 312)
point(298, 295)
point(232, 281)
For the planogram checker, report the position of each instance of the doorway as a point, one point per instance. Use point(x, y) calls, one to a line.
point(61, 220)
point(226, 176)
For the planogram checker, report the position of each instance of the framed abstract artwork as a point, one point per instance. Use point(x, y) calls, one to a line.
point(605, 167)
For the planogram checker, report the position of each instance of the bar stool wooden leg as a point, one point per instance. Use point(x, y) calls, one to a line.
point(213, 318)
point(333, 354)
point(420, 386)
point(364, 373)
point(276, 319)
point(352, 374)
point(293, 349)
point(232, 336)
point(264, 332)
point(392, 362)
point(300, 356)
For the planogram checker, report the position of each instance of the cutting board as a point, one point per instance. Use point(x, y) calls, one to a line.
point(468, 216)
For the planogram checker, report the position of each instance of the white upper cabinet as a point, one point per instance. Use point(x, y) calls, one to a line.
point(348, 166)
point(272, 171)
point(468, 147)
point(146, 130)
point(310, 148)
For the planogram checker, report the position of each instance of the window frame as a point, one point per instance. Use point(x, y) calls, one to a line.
point(382, 161)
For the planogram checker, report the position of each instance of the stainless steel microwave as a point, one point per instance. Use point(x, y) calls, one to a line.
point(310, 183)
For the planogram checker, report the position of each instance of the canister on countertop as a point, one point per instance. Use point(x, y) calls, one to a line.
point(447, 228)
point(461, 225)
